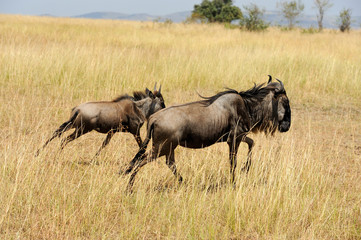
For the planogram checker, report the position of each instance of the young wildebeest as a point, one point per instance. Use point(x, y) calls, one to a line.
point(225, 117)
point(123, 114)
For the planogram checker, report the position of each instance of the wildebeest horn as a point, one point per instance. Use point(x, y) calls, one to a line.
point(160, 87)
point(155, 87)
point(270, 79)
point(282, 86)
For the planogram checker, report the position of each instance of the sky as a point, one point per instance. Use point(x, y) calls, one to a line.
point(66, 8)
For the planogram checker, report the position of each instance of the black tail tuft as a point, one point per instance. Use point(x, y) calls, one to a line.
point(67, 125)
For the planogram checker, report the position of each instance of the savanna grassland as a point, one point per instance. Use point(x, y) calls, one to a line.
point(303, 184)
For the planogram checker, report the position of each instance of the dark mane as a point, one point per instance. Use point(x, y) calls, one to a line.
point(122, 97)
point(136, 97)
point(139, 95)
point(259, 92)
point(209, 100)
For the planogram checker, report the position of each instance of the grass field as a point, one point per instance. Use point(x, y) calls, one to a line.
point(303, 184)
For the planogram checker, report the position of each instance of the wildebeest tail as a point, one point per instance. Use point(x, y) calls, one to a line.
point(68, 124)
point(58, 132)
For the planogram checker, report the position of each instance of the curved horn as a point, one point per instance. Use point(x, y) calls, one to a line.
point(155, 87)
point(282, 86)
point(160, 88)
point(270, 79)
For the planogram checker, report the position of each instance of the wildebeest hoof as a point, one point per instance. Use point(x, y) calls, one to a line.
point(36, 154)
point(125, 172)
point(82, 162)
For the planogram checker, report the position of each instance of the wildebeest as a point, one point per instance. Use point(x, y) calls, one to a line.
point(123, 114)
point(228, 116)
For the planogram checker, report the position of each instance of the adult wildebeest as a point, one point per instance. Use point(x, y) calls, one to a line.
point(225, 117)
point(123, 114)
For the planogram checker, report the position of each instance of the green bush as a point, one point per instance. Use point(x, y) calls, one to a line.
point(344, 20)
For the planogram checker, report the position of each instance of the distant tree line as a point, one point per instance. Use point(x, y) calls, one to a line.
point(223, 11)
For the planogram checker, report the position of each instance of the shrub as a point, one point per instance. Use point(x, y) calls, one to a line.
point(344, 20)
point(253, 20)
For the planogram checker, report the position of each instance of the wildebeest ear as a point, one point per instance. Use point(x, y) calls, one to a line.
point(160, 88)
point(270, 79)
point(149, 93)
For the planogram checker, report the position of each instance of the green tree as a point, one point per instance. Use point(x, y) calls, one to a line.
point(344, 20)
point(216, 11)
point(322, 6)
point(291, 10)
point(253, 21)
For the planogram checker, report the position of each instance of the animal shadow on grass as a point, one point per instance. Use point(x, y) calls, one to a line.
point(171, 185)
point(97, 162)
point(87, 163)
point(214, 187)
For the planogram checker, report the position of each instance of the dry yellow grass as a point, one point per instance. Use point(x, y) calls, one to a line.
point(303, 184)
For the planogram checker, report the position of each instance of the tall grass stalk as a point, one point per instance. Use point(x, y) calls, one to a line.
point(303, 184)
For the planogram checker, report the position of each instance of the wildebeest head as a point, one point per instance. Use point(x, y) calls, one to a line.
point(158, 94)
point(271, 108)
point(281, 106)
point(157, 101)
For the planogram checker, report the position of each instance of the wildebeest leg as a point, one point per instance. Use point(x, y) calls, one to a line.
point(233, 149)
point(57, 133)
point(132, 164)
point(105, 143)
point(140, 163)
point(170, 161)
point(138, 138)
point(138, 158)
point(249, 141)
point(155, 153)
point(77, 133)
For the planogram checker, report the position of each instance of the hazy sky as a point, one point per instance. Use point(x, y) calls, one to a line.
point(155, 7)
